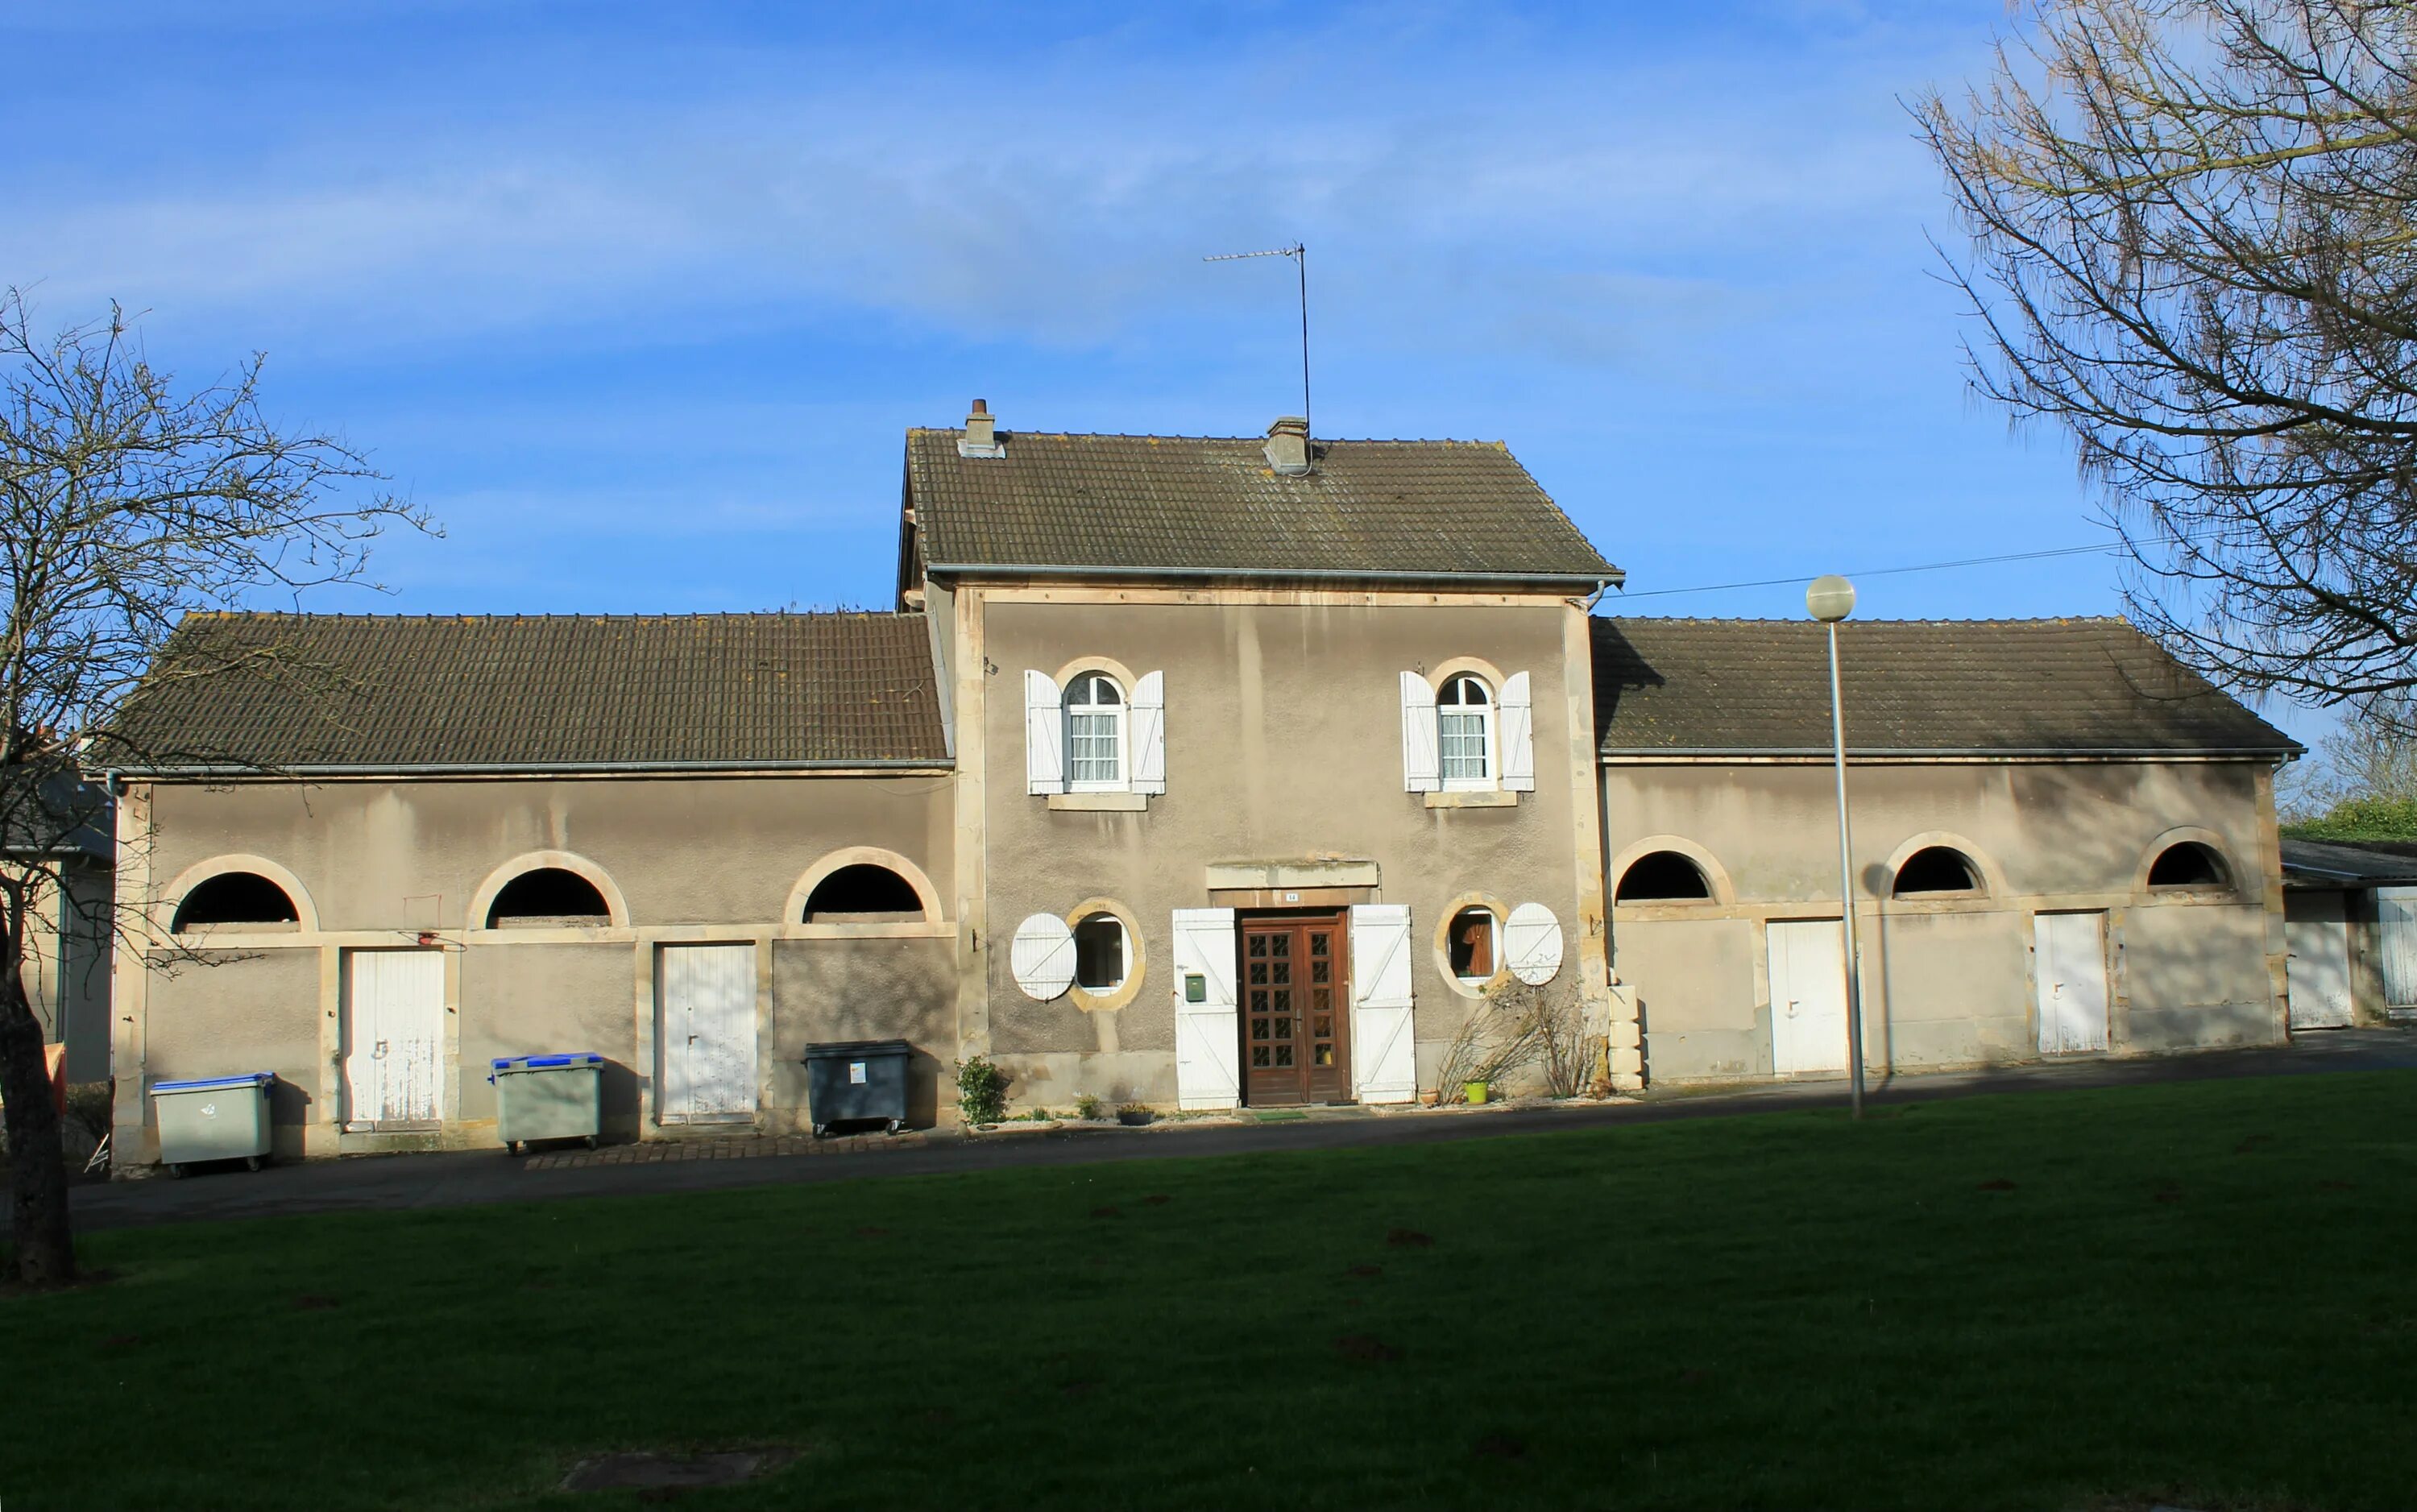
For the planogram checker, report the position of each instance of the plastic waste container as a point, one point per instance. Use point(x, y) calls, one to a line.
point(548, 1097)
point(213, 1118)
point(856, 1079)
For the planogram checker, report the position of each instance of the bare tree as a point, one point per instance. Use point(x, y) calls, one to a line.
point(124, 502)
point(2193, 246)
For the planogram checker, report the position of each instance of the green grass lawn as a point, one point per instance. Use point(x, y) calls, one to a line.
point(2090, 1299)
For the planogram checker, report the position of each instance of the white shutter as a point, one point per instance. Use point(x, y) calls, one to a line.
point(1150, 733)
point(2395, 914)
point(1042, 957)
point(1208, 1034)
point(1384, 1049)
point(1044, 735)
point(1531, 944)
point(1518, 730)
point(1422, 768)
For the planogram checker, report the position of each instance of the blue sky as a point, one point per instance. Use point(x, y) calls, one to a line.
point(637, 299)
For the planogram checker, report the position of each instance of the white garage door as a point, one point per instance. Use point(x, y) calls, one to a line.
point(394, 1037)
point(706, 1033)
point(2069, 967)
point(2395, 910)
point(2319, 967)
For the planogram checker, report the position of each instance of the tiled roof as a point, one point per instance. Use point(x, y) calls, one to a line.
point(572, 691)
point(1192, 504)
point(2003, 687)
point(2315, 863)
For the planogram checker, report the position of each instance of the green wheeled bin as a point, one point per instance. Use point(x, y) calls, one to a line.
point(213, 1118)
point(856, 1080)
point(548, 1097)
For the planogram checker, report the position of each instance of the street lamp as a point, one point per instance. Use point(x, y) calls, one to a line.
point(1830, 599)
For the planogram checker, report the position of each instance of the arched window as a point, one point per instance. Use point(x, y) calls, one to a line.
point(1095, 734)
point(864, 892)
point(235, 898)
point(548, 895)
point(1936, 868)
point(1101, 954)
point(1471, 944)
point(1465, 733)
point(2189, 864)
point(1663, 877)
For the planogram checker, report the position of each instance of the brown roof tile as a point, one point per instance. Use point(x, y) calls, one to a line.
point(1192, 504)
point(384, 691)
point(2004, 687)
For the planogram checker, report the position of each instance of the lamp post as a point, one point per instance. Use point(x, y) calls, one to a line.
point(1830, 599)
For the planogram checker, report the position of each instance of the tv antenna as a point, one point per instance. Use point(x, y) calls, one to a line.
point(1298, 253)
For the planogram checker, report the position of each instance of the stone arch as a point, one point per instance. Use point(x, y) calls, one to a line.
point(1993, 878)
point(1716, 875)
point(2187, 835)
point(482, 902)
point(306, 912)
point(857, 855)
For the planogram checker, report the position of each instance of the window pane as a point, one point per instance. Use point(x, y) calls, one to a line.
point(1461, 740)
point(1100, 953)
point(1092, 747)
point(1472, 944)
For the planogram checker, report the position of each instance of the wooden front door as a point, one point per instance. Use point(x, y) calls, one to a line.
point(1295, 1010)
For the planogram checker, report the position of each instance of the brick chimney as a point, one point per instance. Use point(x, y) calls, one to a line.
point(1288, 446)
point(982, 437)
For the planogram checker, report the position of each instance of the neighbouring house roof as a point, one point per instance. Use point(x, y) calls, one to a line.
point(2348, 862)
point(1199, 505)
point(570, 691)
point(46, 809)
point(2005, 687)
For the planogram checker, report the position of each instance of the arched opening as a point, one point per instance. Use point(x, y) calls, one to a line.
point(1936, 868)
point(864, 893)
point(548, 896)
point(1464, 732)
point(235, 898)
point(1663, 877)
point(2189, 864)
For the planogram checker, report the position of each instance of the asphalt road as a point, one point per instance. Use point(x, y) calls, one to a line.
point(374, 1183)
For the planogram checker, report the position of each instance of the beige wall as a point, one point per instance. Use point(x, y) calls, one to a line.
point(1284, 741)
point(384, 864)
point(68, 965)
point(1946, 983)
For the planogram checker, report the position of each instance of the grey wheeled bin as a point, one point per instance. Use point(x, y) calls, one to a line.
point(856, 1080)
point(548, 1097)
point(213, 1118)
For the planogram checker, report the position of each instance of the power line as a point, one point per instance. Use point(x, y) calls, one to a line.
point(1881, 572)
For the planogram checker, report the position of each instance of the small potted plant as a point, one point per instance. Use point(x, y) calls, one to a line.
point(1134, 1115)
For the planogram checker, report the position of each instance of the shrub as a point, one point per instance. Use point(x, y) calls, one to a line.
point(981, 1092)
point(2361, 819)
point(1087, 1107)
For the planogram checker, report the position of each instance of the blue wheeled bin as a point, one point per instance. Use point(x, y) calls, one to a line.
point(856, 1080)
point(548, 1097)
point(213, 1118)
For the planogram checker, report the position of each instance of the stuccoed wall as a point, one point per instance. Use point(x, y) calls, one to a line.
point(1945, 982)
point(825, 990)
point(1283, 742)
point(226, 1013)
point(398, 863)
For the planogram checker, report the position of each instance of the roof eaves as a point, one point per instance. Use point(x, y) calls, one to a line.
point(1610, 575)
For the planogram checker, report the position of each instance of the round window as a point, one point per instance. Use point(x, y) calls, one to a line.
point(1100, 954)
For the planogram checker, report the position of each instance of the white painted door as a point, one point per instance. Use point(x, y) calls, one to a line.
point(1207, 1025)
point(2319, 966)
point(2069, 965)
point(1808, 995)
point(2396, 917)
point(707, 1034)
point(394, 1037)
point(1384, 1047)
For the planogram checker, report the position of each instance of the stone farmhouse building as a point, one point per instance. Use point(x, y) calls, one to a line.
point(1191, 772)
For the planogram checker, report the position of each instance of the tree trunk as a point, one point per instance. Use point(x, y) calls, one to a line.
point(44, 1244)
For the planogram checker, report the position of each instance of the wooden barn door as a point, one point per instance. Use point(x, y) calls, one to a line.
point(1296, 1017)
